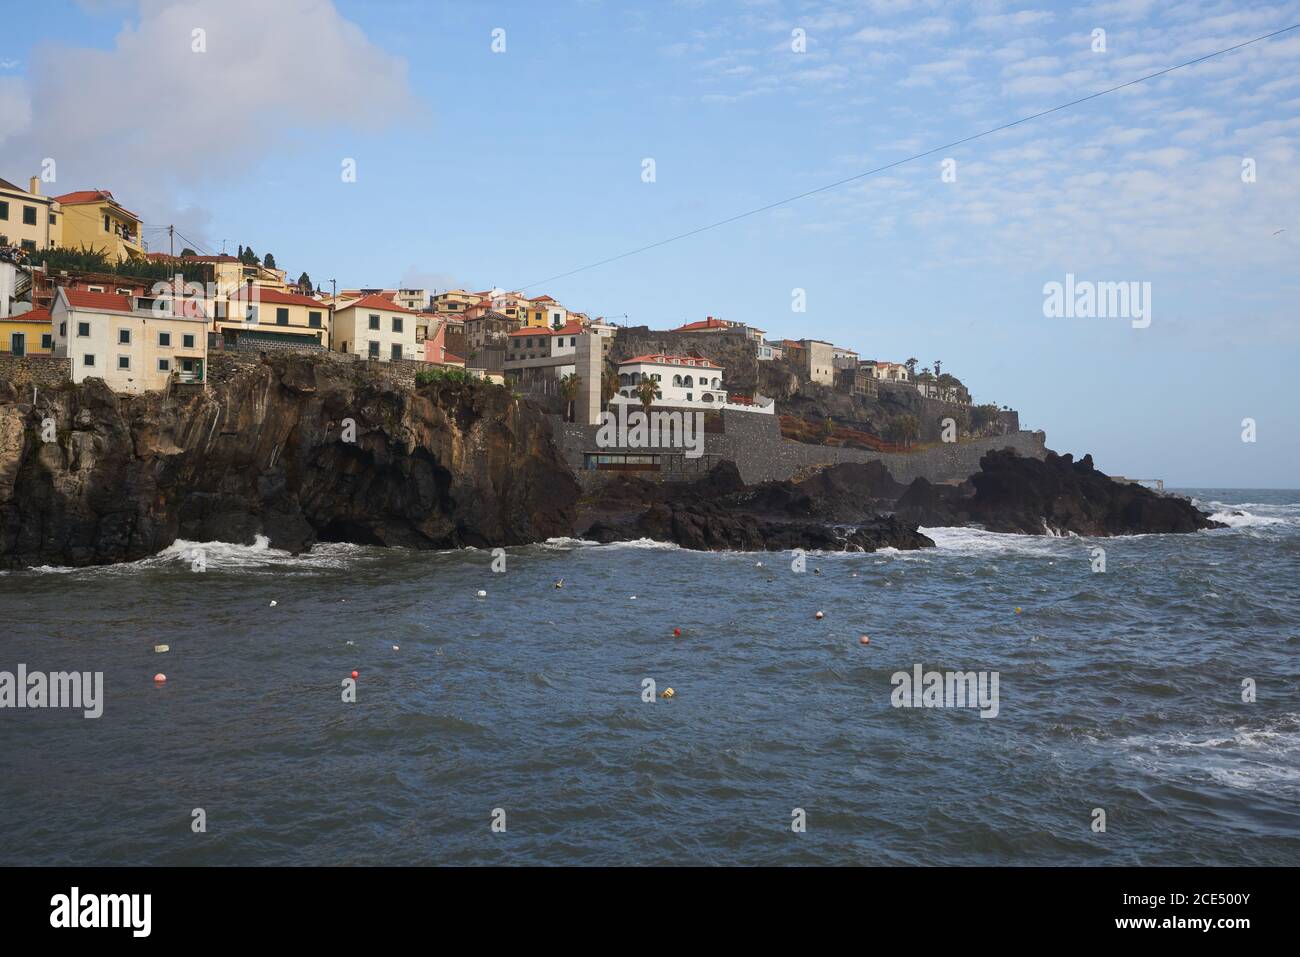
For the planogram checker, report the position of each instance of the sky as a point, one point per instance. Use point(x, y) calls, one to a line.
point(505, 144)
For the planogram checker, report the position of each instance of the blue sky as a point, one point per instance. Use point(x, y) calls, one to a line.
point(478, 168)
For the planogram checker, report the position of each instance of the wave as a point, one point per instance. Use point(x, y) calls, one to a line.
point(1240, 519)
point(225, 556)
point(565, 544)
point(1241, 757)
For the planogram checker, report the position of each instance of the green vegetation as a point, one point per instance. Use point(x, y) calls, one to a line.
point(903, 430)
point(95, 260)
point(442, 377)
point(570, 386)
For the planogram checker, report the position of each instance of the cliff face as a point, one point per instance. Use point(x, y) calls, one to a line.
point(265, 452)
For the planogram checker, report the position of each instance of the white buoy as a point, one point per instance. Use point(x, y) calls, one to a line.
point(482, 593)
point(160, 649)
point(819, 616)
point(273, 603)
point(634, 597)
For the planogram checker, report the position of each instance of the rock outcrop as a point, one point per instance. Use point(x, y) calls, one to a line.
point(719, 512)
point(267, 452)
point(1054, 495)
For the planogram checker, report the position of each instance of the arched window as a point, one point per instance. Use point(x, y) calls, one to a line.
point(708, 397)
point(677, 380)
point(688, 382)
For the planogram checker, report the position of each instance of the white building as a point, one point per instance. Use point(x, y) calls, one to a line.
point(535, 348)
point(690, 382)
point(376, 328)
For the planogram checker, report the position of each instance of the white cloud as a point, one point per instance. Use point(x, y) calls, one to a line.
point(150, 114)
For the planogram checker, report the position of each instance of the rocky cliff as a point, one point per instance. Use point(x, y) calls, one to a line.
point(269, 451)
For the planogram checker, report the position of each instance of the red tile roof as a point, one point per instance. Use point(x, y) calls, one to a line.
point(542, 299)
point(664, 359)
point(568, 329)
point(709, 323)
point(449, 358)
point(275, 296)
point(91, 196)
point(33, 315)
point(96, 301)
point(374, 301)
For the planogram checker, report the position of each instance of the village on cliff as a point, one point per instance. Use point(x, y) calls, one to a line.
point(82, 296)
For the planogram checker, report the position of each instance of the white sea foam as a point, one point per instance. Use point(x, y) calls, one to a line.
point(1263, 756)
point(225, 556)
point(977, 541)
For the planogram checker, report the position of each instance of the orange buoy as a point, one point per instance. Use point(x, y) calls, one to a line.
point(864, 640)
point(354, 675)
point(1017, 609)
point(159, 678)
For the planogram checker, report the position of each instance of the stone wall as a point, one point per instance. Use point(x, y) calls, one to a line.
point(754, 442)
point(45, 371)
point(223, 366)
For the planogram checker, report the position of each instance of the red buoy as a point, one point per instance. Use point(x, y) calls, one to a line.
point(354, 674)
point(677, 632)
point(159, 678)
point(864, 640)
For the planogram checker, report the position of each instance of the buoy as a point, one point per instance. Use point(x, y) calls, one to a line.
point(817, 571)
point(159, 678)
point(864, 640)
point(634, 597)
point(667, 693)
point(560, 583)
point(162, 648)
point(758, 565)
point(819, 616)
point(1017, 609)
point(482, 593)
point(395, 648)
point(354, 675)
point(677, 632)
point(350, 641)
point(272, 602)
point(854, 575)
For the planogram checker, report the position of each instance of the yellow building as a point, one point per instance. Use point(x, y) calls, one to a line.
point(27, 334)
point(454, 301)
point(545, 312)
point(27, 218)
point(93, 219)
point(265, 310)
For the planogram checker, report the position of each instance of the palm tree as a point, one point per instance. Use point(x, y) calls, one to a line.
point(646, 393)
point(937, 367)
point(608, 387)
point(570, 385)
point(911, 367)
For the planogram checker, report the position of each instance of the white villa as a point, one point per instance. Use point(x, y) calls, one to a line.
point(684, 382)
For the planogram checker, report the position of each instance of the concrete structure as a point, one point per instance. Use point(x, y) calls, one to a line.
point(28, 219)
point(93, 219)
point(886, 371)
point(375, 328)
point(487, 328)
point(135, 344)
point(818, 364)
point(536, 347)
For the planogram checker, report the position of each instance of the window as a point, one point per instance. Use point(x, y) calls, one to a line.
point(313, 319)
point(4, 210)
point(94, 289)
point(122, 291)
point(63, 329)
point(374, 322)
point(187, 341)
point(165, 340)
point(397, 323)
point(164, 365)
point(29, 215)
point(18, 343)
point(29, 245)
point(106, 226)
point(87, 360)
point(124, 362)
point(124, 337)
point(54, 220)
point(396, 352)
point(374, 350)
point(47, 341)
point(281, 316)
point(83, 330)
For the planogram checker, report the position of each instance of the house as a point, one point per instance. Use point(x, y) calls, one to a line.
point(45, 284)
point(434, 343)
point(285, 317)
point(27, 218)
point(842, 358)
point(680, 381)
point(376, 328)
point(223, 272)
point(816, 361)
point(93, 219)
point(533, 347)
point(776, 349)
point(416, 300)
point(713, 324)
point(453, 301)
point(135, 344)
point(887, 371)
point(545, 311)
point(27, 333)
point(484, 328)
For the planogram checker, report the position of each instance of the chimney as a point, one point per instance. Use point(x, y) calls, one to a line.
point(34, 186)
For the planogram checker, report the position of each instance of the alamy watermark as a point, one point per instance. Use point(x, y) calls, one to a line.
point(946, 689)
point(679, 429)
point(1085, 299)
point(55, 689)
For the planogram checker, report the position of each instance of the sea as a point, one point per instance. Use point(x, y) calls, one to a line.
point(511, 707)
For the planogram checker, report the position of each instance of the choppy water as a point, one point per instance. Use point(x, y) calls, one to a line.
point(1119, 690)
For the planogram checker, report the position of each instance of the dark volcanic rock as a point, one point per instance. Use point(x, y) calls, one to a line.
point(1011, 493)
point(719, 512)
point(262, 454)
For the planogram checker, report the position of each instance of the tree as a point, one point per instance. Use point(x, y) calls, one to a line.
point(304, 284)
point(187, 252)
point(248, 257)
point(570, 386)
point(828, 428)
point(268, 261)
point(911, 367)
point(646, 393)
point(608, 387)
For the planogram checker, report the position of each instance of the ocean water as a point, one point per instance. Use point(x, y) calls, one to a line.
point(1120, 691)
